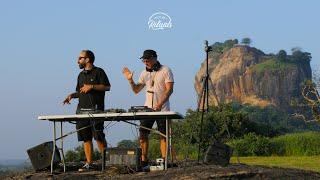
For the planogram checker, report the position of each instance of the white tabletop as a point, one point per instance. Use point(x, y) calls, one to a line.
point(115, 116)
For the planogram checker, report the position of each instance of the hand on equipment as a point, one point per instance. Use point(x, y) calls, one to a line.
point(157, 107)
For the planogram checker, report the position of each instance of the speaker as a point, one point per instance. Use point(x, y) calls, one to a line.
point(218, 154)
point(124, 157)
point(41, 155)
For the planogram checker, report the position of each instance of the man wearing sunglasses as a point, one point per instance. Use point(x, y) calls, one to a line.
point(91, 86)
point(158, 80)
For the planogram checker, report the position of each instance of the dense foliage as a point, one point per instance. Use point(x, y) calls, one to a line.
point(78, 155)
point(298, 56)
point(218, 48)
point(295, 144)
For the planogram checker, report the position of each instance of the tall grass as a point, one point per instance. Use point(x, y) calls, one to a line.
point(295, 144)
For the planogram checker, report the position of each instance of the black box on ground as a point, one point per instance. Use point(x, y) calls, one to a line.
point(41, 155)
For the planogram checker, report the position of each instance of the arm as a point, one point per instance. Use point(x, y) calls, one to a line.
point(136, 88)
point(102, 83)
point(165, 97)
point(101, 87)
point(98, 87)
point(70, 96)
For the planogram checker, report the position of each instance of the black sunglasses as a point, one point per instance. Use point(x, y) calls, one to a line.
point(81, 58)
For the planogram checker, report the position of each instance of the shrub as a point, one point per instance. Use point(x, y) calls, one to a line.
point(251, 145)
point(78, 155)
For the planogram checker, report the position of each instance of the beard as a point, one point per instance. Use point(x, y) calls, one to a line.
point(81, 66)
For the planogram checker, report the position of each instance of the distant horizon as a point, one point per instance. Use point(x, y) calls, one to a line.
point(14, 162)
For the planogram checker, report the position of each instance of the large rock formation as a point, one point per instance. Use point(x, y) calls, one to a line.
point(247, 75)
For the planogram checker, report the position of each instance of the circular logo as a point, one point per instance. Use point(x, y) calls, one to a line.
point(159, 21)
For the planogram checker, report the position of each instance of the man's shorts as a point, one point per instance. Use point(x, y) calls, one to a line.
point(95, 130)
point(149, 123)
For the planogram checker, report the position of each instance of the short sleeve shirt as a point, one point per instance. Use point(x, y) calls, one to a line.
point(155, 83)
point(93, 99)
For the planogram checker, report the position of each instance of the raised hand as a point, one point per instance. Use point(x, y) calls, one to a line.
point(127, 73)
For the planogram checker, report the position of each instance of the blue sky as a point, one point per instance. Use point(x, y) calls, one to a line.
point(41, 40)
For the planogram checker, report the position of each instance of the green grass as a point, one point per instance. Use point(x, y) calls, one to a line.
point(297, 144)
point(273, 65)
point(298, 162)
point(294, 144)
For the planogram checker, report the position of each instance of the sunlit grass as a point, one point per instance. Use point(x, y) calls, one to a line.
point(298, 162)
point(273, 65)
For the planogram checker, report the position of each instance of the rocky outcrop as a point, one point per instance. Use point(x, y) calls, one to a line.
point(249, 76)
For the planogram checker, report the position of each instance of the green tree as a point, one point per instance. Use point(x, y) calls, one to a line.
point(127, 144)
point(246, 41)
point(302, 57)
point(294, 49)
point(282, 55)
point(228, 44)
point(78, 155)
point(220, 123)
point(299, 56)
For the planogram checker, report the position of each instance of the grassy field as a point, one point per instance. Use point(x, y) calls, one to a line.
point(299, 162)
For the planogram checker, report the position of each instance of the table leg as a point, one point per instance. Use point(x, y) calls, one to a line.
point(170, 141)
point(167, 143)
point(54, 146)
point(62, 153)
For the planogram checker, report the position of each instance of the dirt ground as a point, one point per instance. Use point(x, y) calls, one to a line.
point(183, 171)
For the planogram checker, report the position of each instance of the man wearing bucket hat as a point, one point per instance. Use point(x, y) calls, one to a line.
point(158, 80)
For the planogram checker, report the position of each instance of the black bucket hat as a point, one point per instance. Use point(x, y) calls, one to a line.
point(148, 54)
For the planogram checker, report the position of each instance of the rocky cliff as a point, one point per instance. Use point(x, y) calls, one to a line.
point(249, 76)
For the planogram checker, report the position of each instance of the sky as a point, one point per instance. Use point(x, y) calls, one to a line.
point(41, 40)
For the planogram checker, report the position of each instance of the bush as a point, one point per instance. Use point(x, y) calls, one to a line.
point(128, 144)
point(154, 147)
point(220, 123)
point(251, 145)
point(77, 155)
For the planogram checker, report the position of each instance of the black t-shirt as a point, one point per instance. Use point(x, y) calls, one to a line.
point(93, 99)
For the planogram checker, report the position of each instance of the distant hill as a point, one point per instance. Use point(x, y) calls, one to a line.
point(9, 166)
point(13, 162)
point(249, 76)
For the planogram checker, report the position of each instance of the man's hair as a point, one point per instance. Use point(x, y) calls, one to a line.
point(90, 55)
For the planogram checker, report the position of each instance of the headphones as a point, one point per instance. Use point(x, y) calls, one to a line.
point(155, 67)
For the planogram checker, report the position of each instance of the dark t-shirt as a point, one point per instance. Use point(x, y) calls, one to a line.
point(93, 99)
